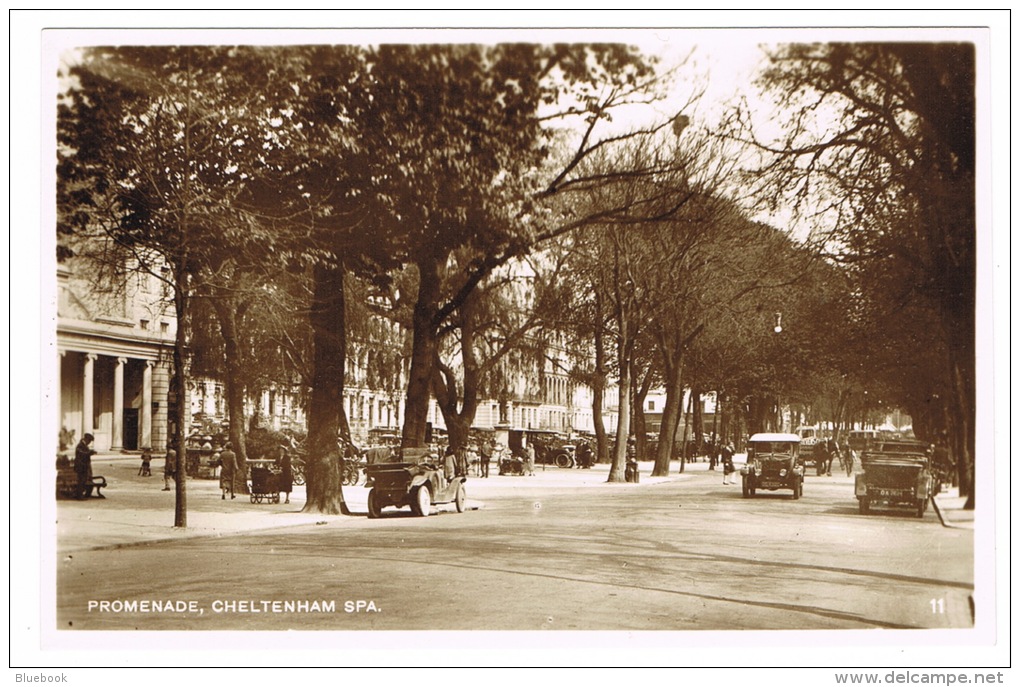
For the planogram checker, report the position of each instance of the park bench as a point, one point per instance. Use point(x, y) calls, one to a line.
point(67, 480)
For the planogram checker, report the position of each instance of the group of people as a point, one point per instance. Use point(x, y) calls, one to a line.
point(226, 458)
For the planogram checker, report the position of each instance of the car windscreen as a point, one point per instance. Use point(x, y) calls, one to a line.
point(772, 447)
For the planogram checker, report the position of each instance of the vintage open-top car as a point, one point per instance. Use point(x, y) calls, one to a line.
point(772, 463)
point(413, 477)
point(894, 473)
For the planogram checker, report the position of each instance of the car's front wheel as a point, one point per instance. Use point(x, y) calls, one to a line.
point(461, 498)
point(922, 506)
point(864, 505)
point(422, 501)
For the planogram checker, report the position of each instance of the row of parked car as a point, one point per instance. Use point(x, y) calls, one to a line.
point(892, 473)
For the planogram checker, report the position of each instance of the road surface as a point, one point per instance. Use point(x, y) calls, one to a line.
point(689, 554)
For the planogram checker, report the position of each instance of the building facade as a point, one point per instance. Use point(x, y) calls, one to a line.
point(114, 352)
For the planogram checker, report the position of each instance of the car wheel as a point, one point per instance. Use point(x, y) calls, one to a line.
point(461, 497)
point(745, 492)
point(922, 505)
point(422, 504)
point(563, 460)
point(864, 505)
point(796, 490)
point(374, 511)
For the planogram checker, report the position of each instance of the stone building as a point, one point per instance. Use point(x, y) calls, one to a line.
point(115, 346)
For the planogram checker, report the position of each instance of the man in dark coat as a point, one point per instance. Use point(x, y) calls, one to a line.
point(286, 478)
point(485, 456)
point(729, 470)
point(83, 453)
point(228, 470)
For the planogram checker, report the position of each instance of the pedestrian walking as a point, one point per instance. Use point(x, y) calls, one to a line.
point(83, 453)
point(729, 470)
point(169, 468)
point(529, 462)
point(228, 471)
point(286, 478)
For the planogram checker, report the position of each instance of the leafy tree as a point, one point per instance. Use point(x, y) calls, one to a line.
point(157, 147)
point(882, 148)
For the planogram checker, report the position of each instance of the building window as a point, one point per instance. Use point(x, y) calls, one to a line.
point(651, 405)
point(164, 327)
point(144, 324)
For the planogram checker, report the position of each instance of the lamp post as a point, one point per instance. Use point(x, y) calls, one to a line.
point(777, 327)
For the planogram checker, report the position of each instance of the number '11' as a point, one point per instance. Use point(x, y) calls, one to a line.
point(938, 605)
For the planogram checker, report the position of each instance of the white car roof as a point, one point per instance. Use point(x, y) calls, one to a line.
point(775, 436)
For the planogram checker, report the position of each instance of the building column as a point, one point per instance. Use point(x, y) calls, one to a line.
point(145, 412)
point(117, 440)
point(57, 394)
point(87, 397)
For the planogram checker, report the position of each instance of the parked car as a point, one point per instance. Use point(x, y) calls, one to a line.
point(551, 448)
point(416, 479)
point(773, 463)
point(895, 473)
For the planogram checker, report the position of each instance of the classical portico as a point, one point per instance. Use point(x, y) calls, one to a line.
point(109, 392)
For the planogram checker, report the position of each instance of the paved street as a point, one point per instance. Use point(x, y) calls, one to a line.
point(561, 550)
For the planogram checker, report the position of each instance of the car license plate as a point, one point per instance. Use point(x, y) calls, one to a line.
point(889, 492)
point(771, 485)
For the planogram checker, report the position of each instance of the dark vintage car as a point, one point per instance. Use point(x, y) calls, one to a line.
point(773, 463)
point(414, 478)
point(894, 473)
point(551, 448)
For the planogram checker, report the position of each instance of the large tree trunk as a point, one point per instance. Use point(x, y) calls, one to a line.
point(598, 387)
point(459, 408)
point(963, 436)
point(226, 313)
point(697, 421)
point(617, 469)
point(423, 355)
point(323, 481)
point(670, 421)
point(182, 306)
point(458, 422)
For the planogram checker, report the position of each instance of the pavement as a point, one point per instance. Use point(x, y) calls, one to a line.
point(137, 510)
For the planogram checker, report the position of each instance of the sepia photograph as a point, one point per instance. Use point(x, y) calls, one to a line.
point(550, 345)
